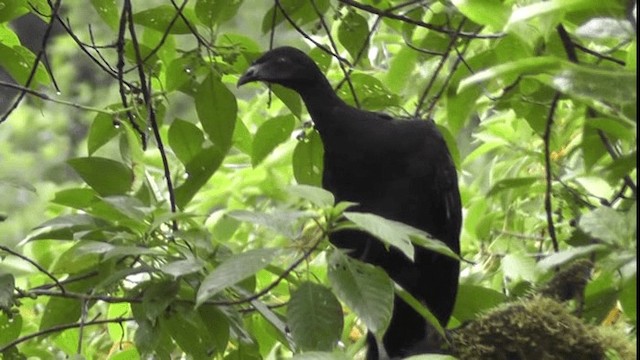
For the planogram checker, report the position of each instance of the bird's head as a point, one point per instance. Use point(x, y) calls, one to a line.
point(286, 66)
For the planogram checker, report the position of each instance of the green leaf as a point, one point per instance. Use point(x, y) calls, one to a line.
point(199, 170)
point(186, 140)
point(371, 92)
point(190, 333)
point(559, 7)
point(217, 324)
point(401, 69)
point(75, 198)
point(615, 86)
point(608, 225)
point(217, 110)
point(215, 12)
point(12, 9)
point(314, 317)
point(150, 337)
point(492, 13)
point(282, 222)
point(103, 128)
point(516, 266)
point(8, 36)
point(353, 34)
point(10, 328)
point(59, 310)
point(513, 183)
point(318, 196)
point(182, 267)
point(612, 127)
point(158, 297)
point(391, 232)
point(18, 62)
point(565, 256)
point(108, 11)
point(160, 18)
point(506, 73)
point(365, 288)
point(629, 298)
point(105, 176)
point(473, 300)
point(269, 135)
point(233, 270)
point(301, 12)
point(307, 160)
point(600, 297)
point(290, 98)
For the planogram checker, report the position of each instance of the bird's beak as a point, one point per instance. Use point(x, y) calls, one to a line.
point(252, 74)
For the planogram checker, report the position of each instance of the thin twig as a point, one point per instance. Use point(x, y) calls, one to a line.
point(600, 56)
point(46, 97)
point(36, 265)
point(335, 50)
point(59, 328)
point(306, 36)
point(546, 137)
point(165, 35)
point(391, 15)
point(34, 67)
point(151, 113)
point(439, 67)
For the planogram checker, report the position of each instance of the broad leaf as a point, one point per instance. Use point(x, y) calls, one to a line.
point(186, 140)
point(473, 300)
point(307, 160)
point(160, 18)
point(391, 232)
point(105, 176)
point(565, 256)
point(314, 317)
point(215, 12)
point(217, 110)
point(199, 169)
point(353, 34)
point(318, 196)
point(18, 61)
point(182, 267)
point(269, 135)
point(233, 270)
point(609, 225)
point(103, 128)
point(366, 289)
point(108, 11)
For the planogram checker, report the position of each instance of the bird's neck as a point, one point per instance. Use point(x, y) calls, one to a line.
point(321, 100)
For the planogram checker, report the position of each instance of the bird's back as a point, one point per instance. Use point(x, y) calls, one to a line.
point(401, 170)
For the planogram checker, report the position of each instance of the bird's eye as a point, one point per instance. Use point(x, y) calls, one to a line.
point(281, 60)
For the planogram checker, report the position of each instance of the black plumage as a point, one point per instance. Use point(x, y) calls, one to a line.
point(399, 169)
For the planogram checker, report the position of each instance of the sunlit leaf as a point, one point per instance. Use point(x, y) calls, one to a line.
point(233, 270)
point(269, 135)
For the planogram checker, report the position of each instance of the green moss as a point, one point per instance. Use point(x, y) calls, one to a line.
point(534, 329)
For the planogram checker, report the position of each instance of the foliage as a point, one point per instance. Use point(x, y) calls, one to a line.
point(151, 209)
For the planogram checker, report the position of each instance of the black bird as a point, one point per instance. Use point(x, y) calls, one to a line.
point(395, 168)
